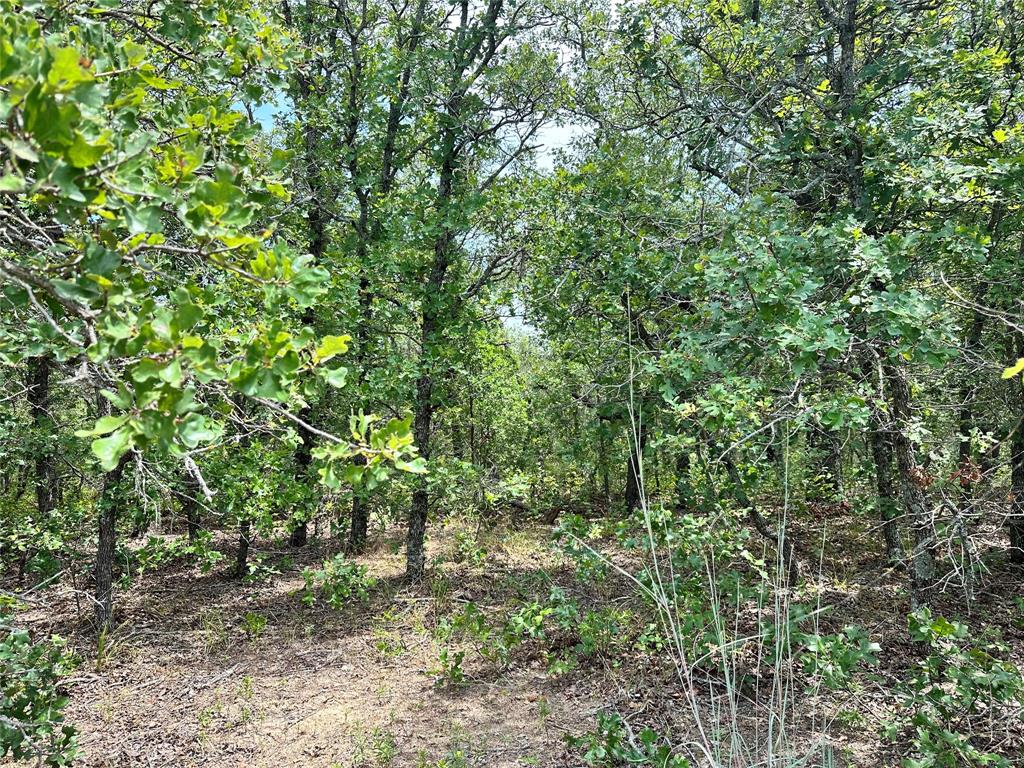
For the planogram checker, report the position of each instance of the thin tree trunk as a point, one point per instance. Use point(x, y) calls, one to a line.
point(967, 469)
point(684, 486)
point(46, 480)
point(606, 486)
point(436, 308)
point(885, 490)
point(316, 219)
point(188, 499)
point(912, 481)
point(39, 409)
point(303, 459)
point(1015, 519)
point(415, 558)
point(828, 455)
point(431, 308)
point(359, 524)
point(780, 538)
point(637, 443)
point(879, 437)
point(106, 544)
point(244, 541)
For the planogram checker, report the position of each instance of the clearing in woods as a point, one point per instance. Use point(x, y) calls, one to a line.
point(205, 670)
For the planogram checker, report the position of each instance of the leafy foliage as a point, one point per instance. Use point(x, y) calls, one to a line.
point(32, 722)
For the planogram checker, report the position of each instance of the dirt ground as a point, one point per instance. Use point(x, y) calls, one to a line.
point(185, 682)
point(191, 677)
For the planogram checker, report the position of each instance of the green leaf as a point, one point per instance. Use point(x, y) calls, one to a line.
point(109, 450)
point(103, 426)
point(331, 346)
point(417, 466)
point(196, 429)
point(144, 220)
point(22, 149)
point(67, 70)
point(336, 377)
point(11, 183)
point(82, 154)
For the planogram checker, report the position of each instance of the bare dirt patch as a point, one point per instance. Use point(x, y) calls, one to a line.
point(187, 682)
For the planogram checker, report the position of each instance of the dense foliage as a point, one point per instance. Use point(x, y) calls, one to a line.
point(687, 280)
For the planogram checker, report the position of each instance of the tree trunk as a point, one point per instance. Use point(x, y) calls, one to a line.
point(780, 538)
point(879, 438)
point(606, 485)
point(46, 481)
point(316, 218)
point(359, 524)
point(303, 459)
point(967, 472)
point(885, 489)
point(684, 486)
point(415, 558)
point(433, 309)
point(192, 520)
point(106, 544)
point(244, 541)
point(827, 453)
point(39, 409)
point(637, 443)
point(912, 480)
point(1015, 519)
point(188, 499)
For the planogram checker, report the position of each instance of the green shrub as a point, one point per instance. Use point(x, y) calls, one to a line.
point(954, 696)
point(833, 658)
point(338, 582)
point(611, 744)
point(32, 708)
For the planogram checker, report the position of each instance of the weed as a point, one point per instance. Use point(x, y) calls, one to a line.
point(389, 645)
point(254, 624)
point(245, 688)
point(440, 590)
point(384, 747)
point(214, 630)
point(543, 710)
point(260, 570)
point(468, 549)
point(954, 695)
point(337, 582)
point(613, 743)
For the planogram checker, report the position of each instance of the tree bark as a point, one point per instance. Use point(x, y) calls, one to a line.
point(885, 490)
point(684, 486)
point(188, 499)
point(436, 308)
point(359, 524)
point(303, 459)
point(637, 443)
point(779, 538)
point(828, 455)
point(415, 559)
point(106, 544)
point(912, 481)
point(46, 479)
point(39, 409)
point(244, 541)
point(316, 220)
point(1015, 518)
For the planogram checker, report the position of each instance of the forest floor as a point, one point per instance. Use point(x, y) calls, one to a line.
point(184, 682)
point(190, 677)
